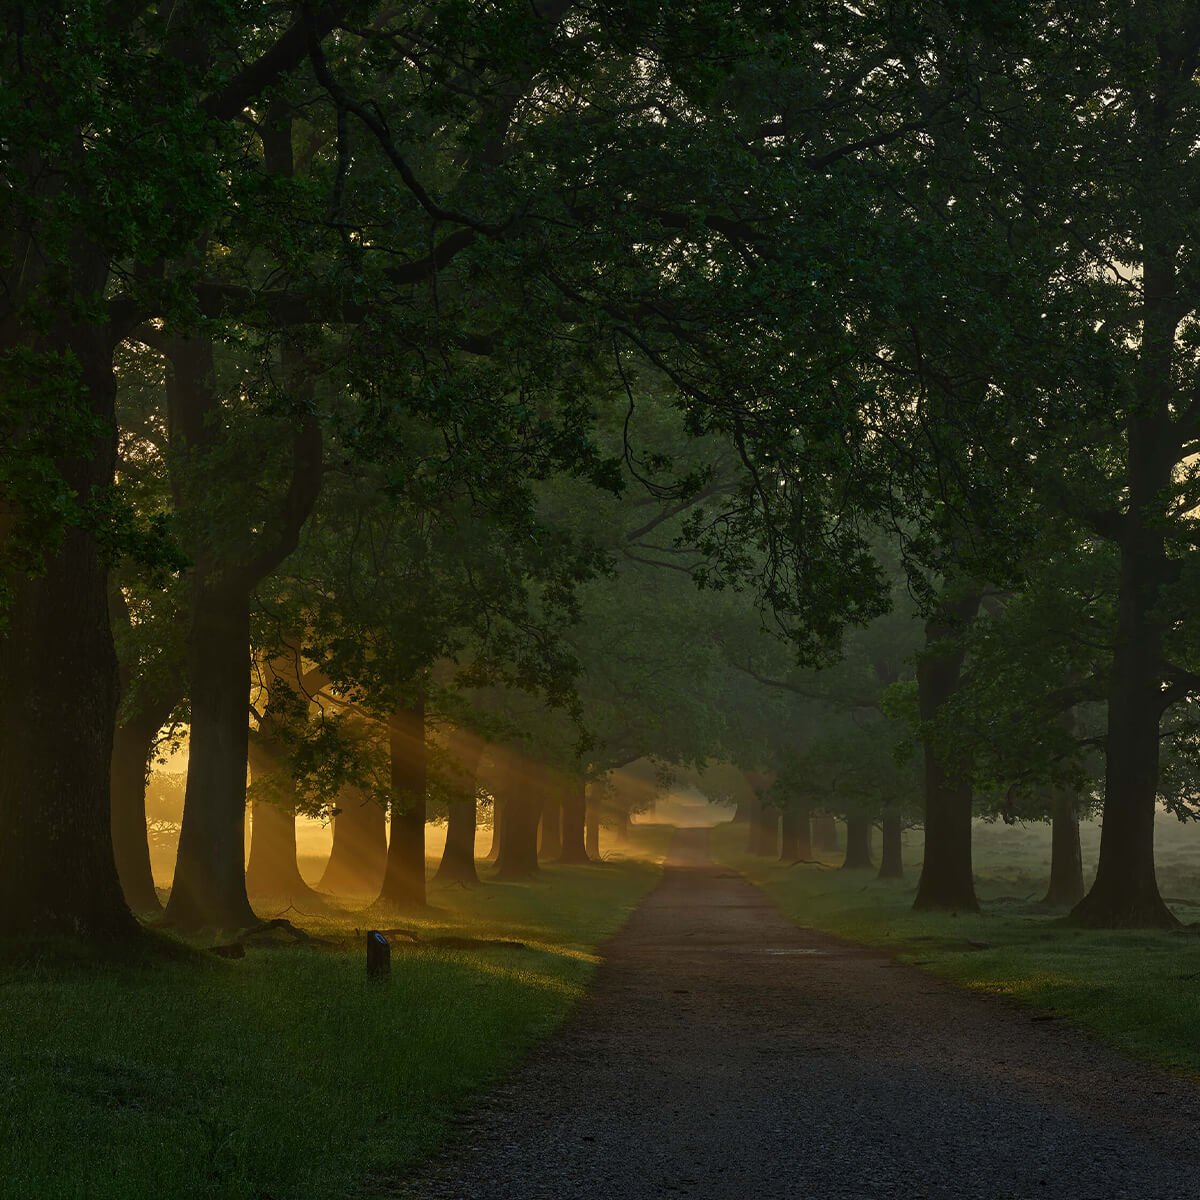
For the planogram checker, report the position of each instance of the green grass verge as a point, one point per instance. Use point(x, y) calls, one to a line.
point(1138, 991)
point(286, 1074)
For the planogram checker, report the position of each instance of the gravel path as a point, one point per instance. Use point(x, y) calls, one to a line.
point(724, 1053)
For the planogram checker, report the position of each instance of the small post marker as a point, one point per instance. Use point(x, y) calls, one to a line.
point(379, 955)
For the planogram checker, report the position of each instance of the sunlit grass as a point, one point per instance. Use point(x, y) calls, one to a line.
point(287, 1074)
point(1139, 991)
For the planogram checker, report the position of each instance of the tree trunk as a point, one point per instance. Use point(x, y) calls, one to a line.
point(209, 891)
point(58, 673)
point(359, 854)
point(518, 857)
point(891, 865)
point(574, 820)
point(497, 821)
point(765, 831)
point(592, 832)
point(550, 846)
point(947, 880)
point(1066, 856)
point(825, 833)
point(858, 844)
point(404, 877)
point(796, 836)
point(132, 743)
point(1125, 892)
point(272, 870)
point(458, 857)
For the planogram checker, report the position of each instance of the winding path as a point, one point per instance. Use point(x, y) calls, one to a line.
point(725, 1054)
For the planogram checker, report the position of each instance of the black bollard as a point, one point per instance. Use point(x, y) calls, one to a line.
point(379, 955)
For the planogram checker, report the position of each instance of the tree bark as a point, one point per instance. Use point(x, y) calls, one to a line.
point(404, 876)
point(359, 854)
point(58, 670)
point(458, 857)
point(858, 844)
point(891, 863)
point(1066, 856)
point(795, 843)
point(550, 844)
point(947, 879)
point(209, 891)
point(497, 822)
point(132, 743)
point(592, 832)
point(273, 870)
point(574, 821)
point(1125, 892)
point(518, 857)
point(764, 828)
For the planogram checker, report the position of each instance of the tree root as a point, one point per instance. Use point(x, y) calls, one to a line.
point(811, 862)
point(452, 941)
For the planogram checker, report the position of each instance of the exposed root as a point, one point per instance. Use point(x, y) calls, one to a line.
point(451, 941)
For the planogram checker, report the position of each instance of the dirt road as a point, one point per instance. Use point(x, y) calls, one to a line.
point(723, 1053)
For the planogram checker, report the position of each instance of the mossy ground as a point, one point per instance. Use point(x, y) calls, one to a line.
point(286, 1074)
point(1139, 991)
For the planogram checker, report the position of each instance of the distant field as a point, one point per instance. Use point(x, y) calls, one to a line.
point(286, 1075)
point(1138, 991)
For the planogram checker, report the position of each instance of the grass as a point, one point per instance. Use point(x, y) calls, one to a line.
point(287, 1074)
point(1138, 991)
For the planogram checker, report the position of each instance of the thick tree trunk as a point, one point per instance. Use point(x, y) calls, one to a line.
point(404, 876)
point(1066, 856)
point(947, 880)
point(574, 819)
point(458, 857)
point(58, 673)
point(550, 845)
point(764, 830)
point(858, 844)
point(497, 822)
point(825, 833)
point(789, 835)
point(359, 854)
point(795, 836)
point(209, 890)
point(132, 743)
point(891, 864)
point(272, 870)
point(518, 857)
point(1125, 893)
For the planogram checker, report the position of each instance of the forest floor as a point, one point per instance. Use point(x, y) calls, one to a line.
point(285, 1075)
point(1137, 991)
point(724, 1052)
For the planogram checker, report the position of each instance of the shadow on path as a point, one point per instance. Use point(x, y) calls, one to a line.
point(723, 1052)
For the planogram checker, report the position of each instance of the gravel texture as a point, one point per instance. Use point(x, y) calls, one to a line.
point(723, 1052)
